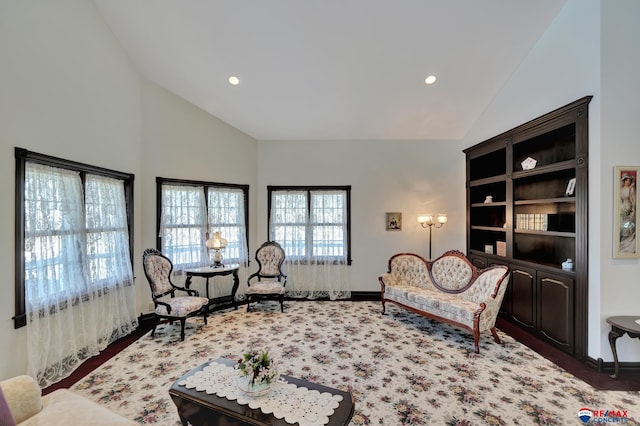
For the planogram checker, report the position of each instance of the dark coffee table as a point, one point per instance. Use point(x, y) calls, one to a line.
point(202, 409)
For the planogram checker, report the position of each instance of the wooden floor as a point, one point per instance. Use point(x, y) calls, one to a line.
point(625, 382)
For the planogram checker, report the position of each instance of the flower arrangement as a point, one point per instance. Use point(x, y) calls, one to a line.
point(257, 366)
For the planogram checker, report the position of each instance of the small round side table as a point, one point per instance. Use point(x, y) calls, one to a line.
point(619, 327)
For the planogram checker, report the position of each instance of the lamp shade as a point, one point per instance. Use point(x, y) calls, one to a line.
point(425, 219)
point(217, 242)
point(430, 219)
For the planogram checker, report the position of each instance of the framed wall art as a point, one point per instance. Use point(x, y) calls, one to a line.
point(625, 212)
point(393, 221)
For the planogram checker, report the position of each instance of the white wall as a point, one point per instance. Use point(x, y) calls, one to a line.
point(410, 177)
point(181, 141)
point(570, 61)
point(619, 291)
point(68, 90)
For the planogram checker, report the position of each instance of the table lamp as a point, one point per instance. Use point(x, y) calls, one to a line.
point(217, 243)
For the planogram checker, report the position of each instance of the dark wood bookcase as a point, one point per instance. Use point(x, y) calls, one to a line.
point(532, 223)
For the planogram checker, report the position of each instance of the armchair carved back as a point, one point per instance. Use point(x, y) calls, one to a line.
point(157, 269)
point(270, 257)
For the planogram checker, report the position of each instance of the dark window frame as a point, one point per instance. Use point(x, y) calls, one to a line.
point(309, 189)
point(24, 156)
point(184, 182)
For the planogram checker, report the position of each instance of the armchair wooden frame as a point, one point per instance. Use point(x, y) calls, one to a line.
point(157, 292)
point(269, 272)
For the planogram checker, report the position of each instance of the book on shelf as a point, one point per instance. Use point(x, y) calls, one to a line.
point(532, 221)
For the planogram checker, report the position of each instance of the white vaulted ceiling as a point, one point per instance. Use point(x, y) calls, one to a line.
point(333, 69)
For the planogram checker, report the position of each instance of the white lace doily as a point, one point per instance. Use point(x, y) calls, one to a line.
point(285, 400)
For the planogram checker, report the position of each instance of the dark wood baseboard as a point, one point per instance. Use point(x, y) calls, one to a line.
point(608, 367)
point(365, 296)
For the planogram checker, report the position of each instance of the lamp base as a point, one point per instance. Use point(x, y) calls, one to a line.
point(217, 259)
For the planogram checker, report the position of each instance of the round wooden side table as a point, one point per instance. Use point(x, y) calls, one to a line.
point(620, 326)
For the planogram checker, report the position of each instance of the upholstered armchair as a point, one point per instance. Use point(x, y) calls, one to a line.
point(269, 281)
point(158, 269)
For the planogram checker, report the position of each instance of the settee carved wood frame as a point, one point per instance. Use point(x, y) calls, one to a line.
point(475, 330)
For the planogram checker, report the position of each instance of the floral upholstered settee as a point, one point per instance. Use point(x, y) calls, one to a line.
point(449, 289)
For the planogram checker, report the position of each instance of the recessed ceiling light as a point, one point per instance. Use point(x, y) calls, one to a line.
point(430, 80)
point(234, 80)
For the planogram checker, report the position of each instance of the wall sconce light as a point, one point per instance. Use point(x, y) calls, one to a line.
point(430, 221)
point(217, 243)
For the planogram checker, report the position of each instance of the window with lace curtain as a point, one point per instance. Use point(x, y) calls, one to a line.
point(74, 276)
point(191, 211)
point(312, 224)
point(71, 218)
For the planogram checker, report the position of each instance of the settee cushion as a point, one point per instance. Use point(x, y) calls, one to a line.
point(434, 302)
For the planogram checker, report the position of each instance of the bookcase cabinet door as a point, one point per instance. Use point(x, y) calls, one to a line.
point(523, 296)
point(555, 310)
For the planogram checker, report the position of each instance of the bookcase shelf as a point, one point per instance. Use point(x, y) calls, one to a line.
point(538, 217)
point(547, 233)
point(545, 201)
point(489, 228)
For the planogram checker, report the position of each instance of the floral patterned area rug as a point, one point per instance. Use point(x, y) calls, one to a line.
point(401, 368)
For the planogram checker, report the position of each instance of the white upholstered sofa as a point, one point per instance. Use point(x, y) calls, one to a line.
point(24, 404)
point(449, 289)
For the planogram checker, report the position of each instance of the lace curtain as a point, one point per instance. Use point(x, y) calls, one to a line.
point(183, 226)
point(226, 214)
point(185, 220)
point(311, 226)
point(79, 291)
